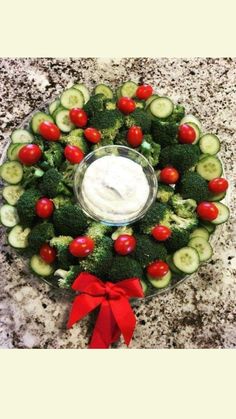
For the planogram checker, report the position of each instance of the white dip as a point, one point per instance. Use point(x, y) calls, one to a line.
point(115, 188)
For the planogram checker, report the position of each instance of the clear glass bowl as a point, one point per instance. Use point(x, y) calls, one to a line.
point(122, 151)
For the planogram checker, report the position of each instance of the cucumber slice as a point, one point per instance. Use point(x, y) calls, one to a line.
point(21, 136)
point(162, 282)
point(83, 89)
point(104, 90)
point(12, 193)
point(118, 92)
point(209, 168)
point(186, 259)
point(8, 215)
point(150, 99)
point(169, 261)
point(72, 98)
point(144, 286)
point(162, 107)
point(53, 106)
point(18, 237)
point(13, 150)
point(216, 197)
point(191, 118)
point(203, 248)
point(11, 172)
point(63, 121)
point(209, 144)
point(200, 232)
point(38, 118)
point(128, 89)
point(208, 226)
point(223, 214)
point(39, 267)
point(196, 130)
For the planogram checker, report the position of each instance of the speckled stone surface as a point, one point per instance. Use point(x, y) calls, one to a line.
point(201, 312)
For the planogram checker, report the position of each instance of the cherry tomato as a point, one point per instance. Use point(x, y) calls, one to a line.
point(135, 136)
point(30, 154)
point(73, 154)
point(207, 211)
point(161, 233)
point(47, 253)
point(125, 244)
point(92, 135)
point(186, 134)
point(157, 269)
point(44, 208)
point(144, 91)
point(126, 105)
point(78, 117)
point(49, 131)
point(218, 185)
point(169, 175)
point(82, 246)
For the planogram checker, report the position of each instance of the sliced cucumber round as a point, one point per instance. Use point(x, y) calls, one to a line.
point(84, 90)
point(186, 260)
point(162, 282)
point(203, 248)
point(38, 118)
point(162, 107)
point(72, 98)
point(21, 136)
point(8, 215)
point(18, 237)
point(209, 144)
point(208, 226)
point(200, 232)
point(173, 268)
point(39, 267)
point(128, 89)
point(118, 92)
point(104, 90)
point(12, 193)
point(150, 99)
point(209, 168)
point(53, 106)
point(13, 150)
point(196, 130)
point(216, 197)
point(63, 120)
point(144, 286)
point(223, 214)
point(191, 118)
point(11, 172)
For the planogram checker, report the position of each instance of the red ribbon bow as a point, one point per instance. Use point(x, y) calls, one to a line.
point(115, 317)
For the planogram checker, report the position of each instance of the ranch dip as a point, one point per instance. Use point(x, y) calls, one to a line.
point(115, 188)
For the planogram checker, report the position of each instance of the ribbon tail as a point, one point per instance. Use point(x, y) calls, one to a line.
point(82, 305)
point(124, 317)
point(106, 330)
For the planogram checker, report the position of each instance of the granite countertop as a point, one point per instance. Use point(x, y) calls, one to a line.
point(199, 313)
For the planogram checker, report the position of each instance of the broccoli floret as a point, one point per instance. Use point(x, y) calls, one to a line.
point(193, 186)
point(68, 171)
point(40, 234)
point(52, 184)
point(164, 132)
point(150, 150)
point(53, 156)
point(124, 267)
point(97, 230)
point(108, 123)
point(26, 206)
point(99, 261)
point(122, 230)
point(31, 176)
point(61, 200)
point(141, 118)
point(121, 138)
point(95, 104)
point(39, 141)
point(147, 250)
point(158, 213)
point(183, 207)
point(69, 220)
point(64, 257)
point(183, 223)
point(178, 239)
point(178, 114)
point(140, 104)
point(76, 137)
point(181, 156)
point(110, 104)
point(67, 277)
point(164, 192)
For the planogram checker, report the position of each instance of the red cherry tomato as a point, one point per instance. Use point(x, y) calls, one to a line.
point(207, 211)
point(186, 134)
point(92, 135)
point(161, 233)
point(218, 185)
point(126, 105)
point(47, 253)
point(78, 117)
point(49, 131)
point(44, 208)
point(82, 246)
point(135, 136)
point(144, 91)
point(125, 244)
point(73, 154)
point(169, 175)
point(30, 154)
point(157, 269)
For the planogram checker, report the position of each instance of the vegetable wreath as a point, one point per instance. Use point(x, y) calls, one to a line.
point(47, 225)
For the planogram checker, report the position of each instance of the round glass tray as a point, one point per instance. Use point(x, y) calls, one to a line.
point(53, 283)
